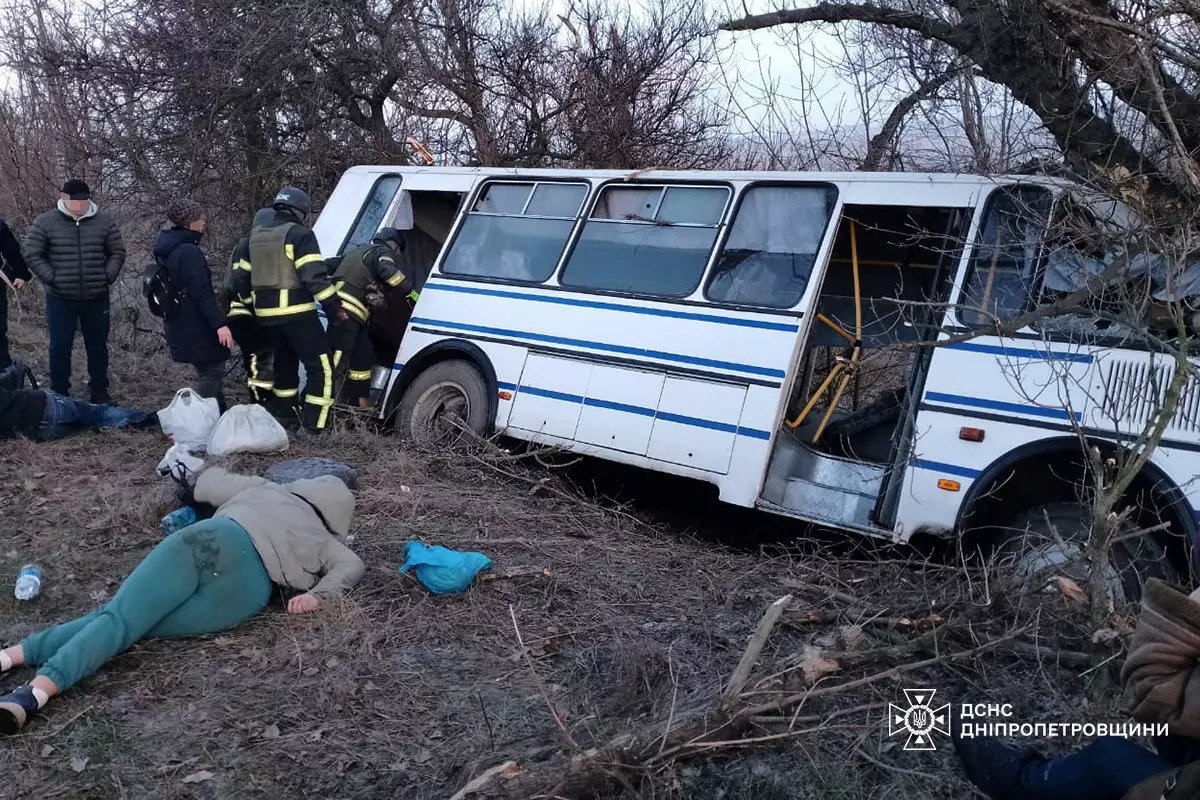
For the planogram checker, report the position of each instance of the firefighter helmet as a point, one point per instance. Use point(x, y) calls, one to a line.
point(291, 197)
point(389, 236)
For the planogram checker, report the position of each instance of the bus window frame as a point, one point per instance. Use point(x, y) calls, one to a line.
point(730, 187)
point(362, 208)
point(473, 198)
point(958, 302)
point(732, 219)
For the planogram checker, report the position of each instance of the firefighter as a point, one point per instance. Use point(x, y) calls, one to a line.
point(252, 339)
point(358, 271)
point(289, 278)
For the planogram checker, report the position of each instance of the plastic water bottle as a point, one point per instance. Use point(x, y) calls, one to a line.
point(29, 582)
point(178, 519)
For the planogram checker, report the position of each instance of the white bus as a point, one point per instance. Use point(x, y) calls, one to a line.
point(768, 333)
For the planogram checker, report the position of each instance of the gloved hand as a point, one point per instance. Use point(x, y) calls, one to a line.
point(333, 309)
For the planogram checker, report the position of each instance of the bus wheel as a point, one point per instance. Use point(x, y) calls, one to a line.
point(443, 402)
point(1050, 540)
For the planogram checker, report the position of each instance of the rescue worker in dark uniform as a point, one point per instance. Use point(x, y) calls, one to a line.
point(252, 339)
point(289, 278)
point(359, 270)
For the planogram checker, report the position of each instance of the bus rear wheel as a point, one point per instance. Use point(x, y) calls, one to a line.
point(1051, 539)
point(445, 402)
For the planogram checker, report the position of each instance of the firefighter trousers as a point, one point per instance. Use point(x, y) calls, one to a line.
point(301, 340)
point(353, 359)
point(258, 356)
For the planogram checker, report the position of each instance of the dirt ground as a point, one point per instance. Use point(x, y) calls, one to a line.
point(395, 693)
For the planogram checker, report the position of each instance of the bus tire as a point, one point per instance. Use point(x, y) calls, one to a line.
point(1029, 542)
point(445, 401)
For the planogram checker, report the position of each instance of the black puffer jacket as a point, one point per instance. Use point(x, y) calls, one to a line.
point(192, 333)
point(75, 259)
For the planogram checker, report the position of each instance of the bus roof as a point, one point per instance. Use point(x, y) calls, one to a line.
point(727, 175)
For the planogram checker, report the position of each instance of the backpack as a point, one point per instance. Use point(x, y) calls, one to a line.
point(160, 291)
point(14, 376)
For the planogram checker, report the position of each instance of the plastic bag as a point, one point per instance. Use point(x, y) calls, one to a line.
point(247, 429)
point(179, 462)
point(442, 570)
point(189, 419)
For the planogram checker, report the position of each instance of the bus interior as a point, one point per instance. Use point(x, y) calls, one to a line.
point(849, 418)
point(433, 216)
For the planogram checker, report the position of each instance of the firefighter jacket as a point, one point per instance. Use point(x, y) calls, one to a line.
point(237, 286)
point(360, 269)
point(287, 272)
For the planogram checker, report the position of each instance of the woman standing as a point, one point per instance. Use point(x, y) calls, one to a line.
point(202, 579)
point(198, 334)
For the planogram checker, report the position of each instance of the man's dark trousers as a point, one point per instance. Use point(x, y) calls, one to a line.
point(5, 357)
point(92, 318)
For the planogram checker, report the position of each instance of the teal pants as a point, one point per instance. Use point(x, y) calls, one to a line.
point(202, 579)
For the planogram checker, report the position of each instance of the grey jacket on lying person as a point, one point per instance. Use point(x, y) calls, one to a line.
point(295, 546)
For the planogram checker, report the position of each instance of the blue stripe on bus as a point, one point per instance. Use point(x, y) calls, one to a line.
point(512, 387)
point(642, 411)
point(654, 312)
point(949, 469)
point(999, 405)
point(628, 409)
point(612, 348)
point(1022, 352)
point(552, 395)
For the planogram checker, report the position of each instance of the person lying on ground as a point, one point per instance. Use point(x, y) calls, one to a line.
point(202, 579)
point(1162, 682)
point(43, 416)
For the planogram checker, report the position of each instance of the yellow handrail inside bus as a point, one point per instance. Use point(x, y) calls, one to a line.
point(844, 368)
point(991, 278)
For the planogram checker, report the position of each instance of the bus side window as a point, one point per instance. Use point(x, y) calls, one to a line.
point(772, 246)
point(1001, 276)
point(647, 240)
point(373, 211)
point(516, 231)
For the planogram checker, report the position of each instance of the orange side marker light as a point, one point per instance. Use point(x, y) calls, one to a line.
point(949, 485)
point(971, 434)
point(506, 395)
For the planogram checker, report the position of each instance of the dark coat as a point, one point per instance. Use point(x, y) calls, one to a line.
point(75, 259)
point(11, 261)
point(21, 412)
point(192, 333)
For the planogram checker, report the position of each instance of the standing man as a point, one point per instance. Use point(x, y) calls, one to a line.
point(12, 264)
point(359, 270)
point(252, 339)
point(77, 252)
point(289, 279)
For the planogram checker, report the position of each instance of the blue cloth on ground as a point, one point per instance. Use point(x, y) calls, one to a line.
point(442, 570)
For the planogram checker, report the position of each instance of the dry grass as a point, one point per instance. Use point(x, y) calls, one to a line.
point(397, 693)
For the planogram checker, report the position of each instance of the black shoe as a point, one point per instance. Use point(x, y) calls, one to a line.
point(16, 708)
point(101, 399)
point(992, 765)
point(146, 421)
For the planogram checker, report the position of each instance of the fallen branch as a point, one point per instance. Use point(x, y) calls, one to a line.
point(750, 657)
point(483, 779)
point(538, 680)
point(800, 697)
point(713, 725)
